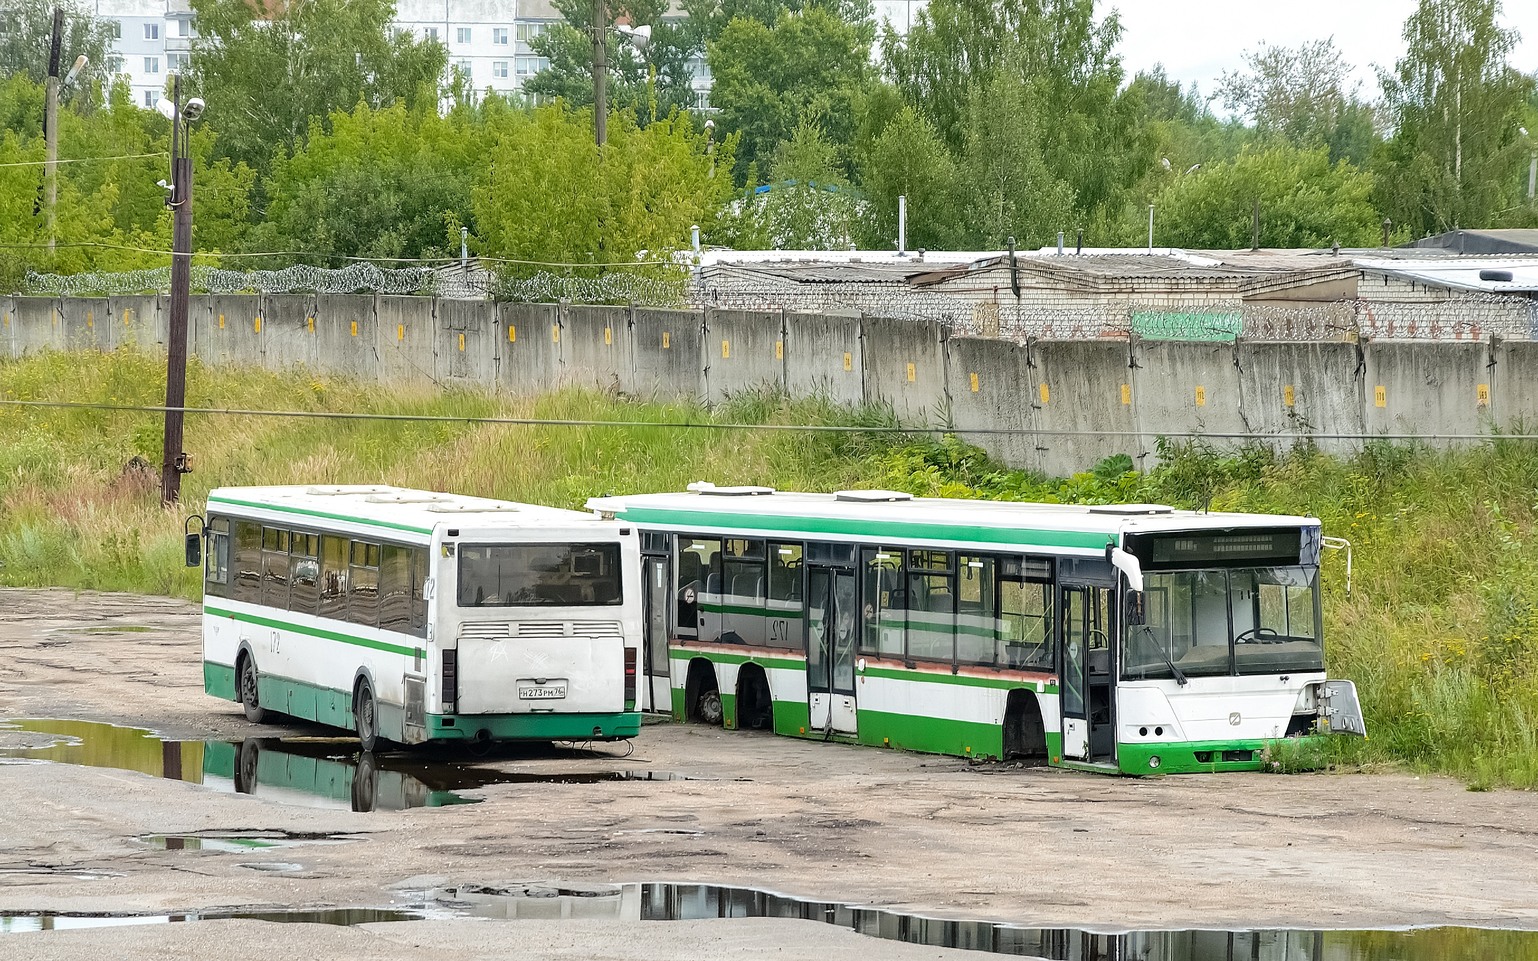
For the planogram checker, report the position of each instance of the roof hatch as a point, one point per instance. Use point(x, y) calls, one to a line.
point(872, 497)
point(706, 487)
point(337, 490)
point(1131, 509)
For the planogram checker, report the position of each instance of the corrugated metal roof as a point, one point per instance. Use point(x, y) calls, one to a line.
point(1491, 275)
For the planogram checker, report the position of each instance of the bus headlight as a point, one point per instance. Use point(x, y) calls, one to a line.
point(1153, 762)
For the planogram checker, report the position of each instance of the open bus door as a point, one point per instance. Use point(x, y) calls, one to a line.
point(1086, 673)
point(656, 600)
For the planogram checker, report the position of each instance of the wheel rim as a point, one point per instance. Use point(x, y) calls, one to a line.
point(366, 714)
point(248, 685)
point(710, 707)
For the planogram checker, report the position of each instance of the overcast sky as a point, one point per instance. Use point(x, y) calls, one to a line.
point(1197, 40)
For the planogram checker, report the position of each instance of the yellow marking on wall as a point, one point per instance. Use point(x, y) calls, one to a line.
point(848, 360)
point(400, 332)
point(56, 316)
point(973, 378)
point(1289, 396)
point(128, 316)
point(726, 349)
point(555, 333)
point(90, 318)
point(779, 350)
point(221, 321)
point(256, 325)
point(912, 374)
point(1126, 395)
point(1482, 392)
point(461, 342)
point(1201, 396)
point(1044, 393)
point(512, 333)
point(355, 328)
point(664, 340)
point(1380, 396)
point(309, 322)
point(7, 318)
point(608, 336)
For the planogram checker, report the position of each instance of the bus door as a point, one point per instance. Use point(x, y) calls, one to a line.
point(1086, 674)
point(656, 598)
point(830, 646)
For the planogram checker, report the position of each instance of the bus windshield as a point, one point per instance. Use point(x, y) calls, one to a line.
point(539, 575)
point(1206, 623)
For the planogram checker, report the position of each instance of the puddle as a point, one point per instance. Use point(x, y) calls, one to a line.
point(53, 921)
point(309, 771)
point(696, 902)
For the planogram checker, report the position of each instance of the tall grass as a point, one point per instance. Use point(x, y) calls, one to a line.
point(1440, 629)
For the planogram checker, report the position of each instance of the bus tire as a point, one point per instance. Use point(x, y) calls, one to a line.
point(365, 716)
point(250, 691)
point(365, 783)
point(710, 709)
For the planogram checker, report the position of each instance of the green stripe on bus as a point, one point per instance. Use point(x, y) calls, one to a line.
point(319, 632)
point(869, 529)
point(964, 680)
point(789, 663)
point(285, 509)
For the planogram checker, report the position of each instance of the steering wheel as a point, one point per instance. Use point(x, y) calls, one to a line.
point(1258, 635)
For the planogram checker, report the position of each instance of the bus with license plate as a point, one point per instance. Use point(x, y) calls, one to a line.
point(414, 616)
point(1137, 639)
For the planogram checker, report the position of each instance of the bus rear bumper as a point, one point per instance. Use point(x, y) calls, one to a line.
point(533, 727)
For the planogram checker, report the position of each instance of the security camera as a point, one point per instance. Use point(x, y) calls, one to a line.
point(710, 125)
point(163, 185)
point(193, 109)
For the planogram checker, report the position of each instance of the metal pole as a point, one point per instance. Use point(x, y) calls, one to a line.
point(902, 225)
point(51, 125)
point(1532, 176)
point(173, 460)
point(600, 71)
point(1150, 227)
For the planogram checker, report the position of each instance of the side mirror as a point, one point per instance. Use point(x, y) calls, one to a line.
point(194, 550)
point(1132, 609)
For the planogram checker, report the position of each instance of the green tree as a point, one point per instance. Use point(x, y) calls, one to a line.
point(266, 70)
point(1305, 201)
point(28, 36)
point(1455, 104)
point(1301, 96)
point(808, 204)
point(1007, 189)
point(649, 80)
point(551, 198)
point(385, 183)
point(810, 65)
point(909, 159)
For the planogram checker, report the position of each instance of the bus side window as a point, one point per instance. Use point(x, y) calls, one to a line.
point(743, 592)
point(786, 627)
point(333, 577)
point(419, 569)
point(884, 609)
point(1025, 624)
point(698, 569)
point(931, 606)
point(304, 572)
point(977, 611)
point(248, 562)
point(395, 588)
point(363, 584)
point(216, 573)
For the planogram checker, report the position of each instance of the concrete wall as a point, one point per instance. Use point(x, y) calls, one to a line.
point(1058, 406)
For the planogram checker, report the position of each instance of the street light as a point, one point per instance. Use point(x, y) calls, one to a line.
point(174, 461)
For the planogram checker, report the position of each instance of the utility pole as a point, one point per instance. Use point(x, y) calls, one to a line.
point(51, 125)
point(173, 462)
point(600, 71)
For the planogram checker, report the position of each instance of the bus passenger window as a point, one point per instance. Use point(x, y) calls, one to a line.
point(743, 592)
point(977, 610)
point(783, 609)
point(304, 572)
point(275, 568)
point(1025, 624)
point(216, 572)
point(698, 569)
point(395, 588)
point(363, 584)
point(419, 568)
point(248, 562)
point(931, 606)
point(333, 577)
point(884, 610)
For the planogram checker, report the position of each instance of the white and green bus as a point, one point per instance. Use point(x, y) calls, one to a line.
point(411, 616)
point(1132, 638)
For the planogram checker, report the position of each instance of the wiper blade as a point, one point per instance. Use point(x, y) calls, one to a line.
point(1180, 677)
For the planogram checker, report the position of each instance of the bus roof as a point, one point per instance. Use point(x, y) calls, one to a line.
point(388, 508)
point(890, 515)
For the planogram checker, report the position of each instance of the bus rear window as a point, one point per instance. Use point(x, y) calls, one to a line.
point(539, 575)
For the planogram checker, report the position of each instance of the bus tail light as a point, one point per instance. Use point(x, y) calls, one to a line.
point(629, 678)
point(450, 680)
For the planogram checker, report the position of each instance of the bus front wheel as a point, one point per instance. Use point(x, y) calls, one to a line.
point(710, 708)
point(365, 715)
point(250, 696)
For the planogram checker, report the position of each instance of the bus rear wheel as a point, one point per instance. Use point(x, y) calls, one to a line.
point(250, 693)
point(365, 715)
point(710, 709)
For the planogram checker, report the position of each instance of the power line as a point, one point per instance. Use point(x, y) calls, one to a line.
point(82, 160)
point(422, 261)
point(698, 425)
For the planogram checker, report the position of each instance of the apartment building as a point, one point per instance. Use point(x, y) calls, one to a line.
point(151, 38)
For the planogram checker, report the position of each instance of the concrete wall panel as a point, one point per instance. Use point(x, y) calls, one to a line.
point(989, 381)
point(222, 327)
point(1179, 386)
point(743, 351)
point(347, 335)
point(595, 347)
point(1426, 388)
point(138, 321)
point(665, 351)
point(7, 326)
point(467, 342)
point(1515, 387)
point(288, 332)
point(38, 325)
point(905, 369)
point(1308, 388)
point(86, 322)
point(530, 342)
point(1078, 386)
point(823, 358)
point(405, 336)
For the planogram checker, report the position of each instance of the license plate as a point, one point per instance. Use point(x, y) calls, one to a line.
point(541, 692)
